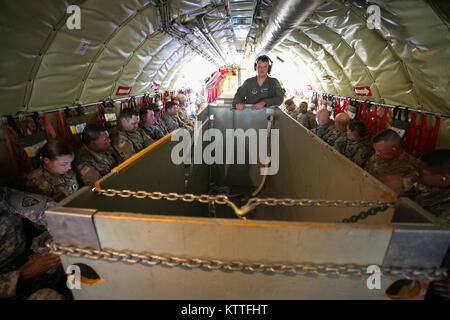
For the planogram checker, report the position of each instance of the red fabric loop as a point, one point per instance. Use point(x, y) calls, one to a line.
point(63, 129)
point(47, 126)
point(10, 146)
point(101, 117)
point(414, 136)
point(25, 127)
point(376, 123)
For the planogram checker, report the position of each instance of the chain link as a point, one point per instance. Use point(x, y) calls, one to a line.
point(252, 267)
point(252, 203)
point(363, 215)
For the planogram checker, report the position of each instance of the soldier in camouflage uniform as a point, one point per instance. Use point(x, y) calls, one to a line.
point(325, 124)
point(291, 108)
point(389, 158)
point(158, 121)
point(339, 131)
point(306, 118)
point(27, 270)
point(356, 145)
point(182, 114)
point(429, 186)
point(171, 120)
point(96, 157)
point(261, 90)
point(147, 126)
point(127, 140)
point(54, 178)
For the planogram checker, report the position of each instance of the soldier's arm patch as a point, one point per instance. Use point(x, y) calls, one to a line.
point(29, 202)
point(87, 176)
point(85, 170)
point(121, 144)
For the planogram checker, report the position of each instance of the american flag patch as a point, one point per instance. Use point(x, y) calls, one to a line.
point(121, 144)
point(84, 170)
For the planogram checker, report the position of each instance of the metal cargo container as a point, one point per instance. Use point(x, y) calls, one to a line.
point(180, 239)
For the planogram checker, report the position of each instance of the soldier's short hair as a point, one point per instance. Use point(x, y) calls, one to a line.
point(154, 107)
point(387, 135)
point(54, 149)
point(143, 111)
point(127, 113)
point(91, 133)
point(288, 102)
point(437, 161)
point(358, 126)
point(169, 104)
point(323, 111)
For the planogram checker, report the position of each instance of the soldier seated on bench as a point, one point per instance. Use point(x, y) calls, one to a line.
point(96, 157)
point(55, 177)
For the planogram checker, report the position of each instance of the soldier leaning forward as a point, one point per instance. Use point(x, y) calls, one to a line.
point(27, 271)
point(54, 178)
point(357, 151)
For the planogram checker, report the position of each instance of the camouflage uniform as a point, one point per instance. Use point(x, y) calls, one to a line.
point(15, 250)
point(434, 199)
point(161, 127)
point(173, 122)
point(91, 165)
point(153, 132)
point(357, 151)
point(293, 113)
point(182, 114)
point(333, 134)
point(321, 130)
point(271, 92)
point(307, 119)
point(53, 185)
point(128, 143)
point(402, 166)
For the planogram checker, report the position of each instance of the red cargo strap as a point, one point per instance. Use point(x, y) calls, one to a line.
point(7, 132)
point(101, 117)
point(430, 140)
point(25, 127)
point(376, 123)
point(338, 108)
point(382, 120)
point(124, 105)
point(361, 109)
point(47, 126)
point(428, 137)
point(63, 128)
point(164, 97)
point(213, 94)
point(413, 137)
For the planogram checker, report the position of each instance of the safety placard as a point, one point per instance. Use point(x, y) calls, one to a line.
point(32, 151)
point(110, 117)
point(77, 128)
point(123, 91)
point(154, 86)
point(362, 91)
